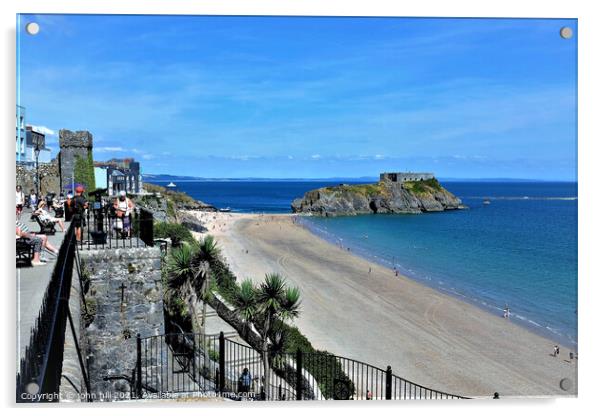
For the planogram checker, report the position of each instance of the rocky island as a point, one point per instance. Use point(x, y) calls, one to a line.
point(394, 193)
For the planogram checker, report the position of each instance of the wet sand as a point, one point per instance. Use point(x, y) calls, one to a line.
point(361, 310)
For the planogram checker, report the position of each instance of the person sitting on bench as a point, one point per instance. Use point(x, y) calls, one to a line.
point(45, 216)
point(37, 241)
point(24, 257)
point(25, 252)
point(57, 206)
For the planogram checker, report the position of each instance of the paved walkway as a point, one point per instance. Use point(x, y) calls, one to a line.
point(31, 286)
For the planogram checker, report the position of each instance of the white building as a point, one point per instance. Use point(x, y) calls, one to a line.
point(26, 138)
point(21, 135)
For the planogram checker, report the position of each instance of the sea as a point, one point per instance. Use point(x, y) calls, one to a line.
point(517, 252)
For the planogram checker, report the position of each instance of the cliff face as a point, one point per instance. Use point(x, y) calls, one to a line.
point(382, 197)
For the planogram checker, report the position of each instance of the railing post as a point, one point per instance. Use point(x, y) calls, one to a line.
point(222, 362)
point(299, 386)
point(138, 366)
point(388, 383)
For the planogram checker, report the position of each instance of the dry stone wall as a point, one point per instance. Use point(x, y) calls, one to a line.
point(117, 318)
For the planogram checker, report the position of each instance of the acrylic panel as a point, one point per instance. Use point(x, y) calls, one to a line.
point(295, 208)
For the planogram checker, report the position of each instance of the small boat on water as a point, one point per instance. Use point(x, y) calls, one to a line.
point(225, 209)
point(171, 185)
point(486, 201)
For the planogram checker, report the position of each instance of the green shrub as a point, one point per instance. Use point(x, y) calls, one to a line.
point(213, 355)
point(422, 187)
point(176, 232)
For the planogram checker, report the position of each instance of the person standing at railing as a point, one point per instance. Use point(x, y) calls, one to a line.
point(123, 209)
point(80, 204)
point(69, 207)
point(244, 381)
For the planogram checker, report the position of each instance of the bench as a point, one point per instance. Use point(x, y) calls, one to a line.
point(45, 227)
point(24, 252)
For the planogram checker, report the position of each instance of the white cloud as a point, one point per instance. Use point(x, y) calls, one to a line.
point(105, 149)
point(316, 157)
point(239, 157)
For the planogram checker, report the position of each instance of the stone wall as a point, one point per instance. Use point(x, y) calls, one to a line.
point(111, 336)
point(49, 178)
point(72, 144)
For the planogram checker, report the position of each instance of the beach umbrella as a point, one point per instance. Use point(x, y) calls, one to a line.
point(72, 186)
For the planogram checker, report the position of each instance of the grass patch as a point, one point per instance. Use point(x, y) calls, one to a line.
point(367, 190)
point(423, 187)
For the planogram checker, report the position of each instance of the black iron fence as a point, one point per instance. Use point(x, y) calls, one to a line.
point(39, 375)
point(187, 363)
point(103, 227)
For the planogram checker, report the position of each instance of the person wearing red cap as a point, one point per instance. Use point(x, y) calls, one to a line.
point(80, 205)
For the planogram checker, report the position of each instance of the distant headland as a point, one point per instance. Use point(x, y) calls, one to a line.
point(395, 192)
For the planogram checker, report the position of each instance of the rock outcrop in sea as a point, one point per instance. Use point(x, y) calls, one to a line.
point(383, 197)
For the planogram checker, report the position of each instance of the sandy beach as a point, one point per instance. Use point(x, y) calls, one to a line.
point(361, 310)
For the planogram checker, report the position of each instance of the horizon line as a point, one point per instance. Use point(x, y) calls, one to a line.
point(263, 178)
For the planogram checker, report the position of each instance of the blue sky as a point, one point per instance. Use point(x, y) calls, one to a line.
point(309, 97)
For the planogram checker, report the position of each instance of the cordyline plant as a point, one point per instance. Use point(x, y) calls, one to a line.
point(267, 304)
point(188, 274)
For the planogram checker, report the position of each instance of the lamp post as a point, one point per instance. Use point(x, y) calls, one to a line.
point(37, 153)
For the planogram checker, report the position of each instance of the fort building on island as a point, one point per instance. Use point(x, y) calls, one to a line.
point(401, 177)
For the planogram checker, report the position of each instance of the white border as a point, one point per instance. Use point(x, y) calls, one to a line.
point(590, 273)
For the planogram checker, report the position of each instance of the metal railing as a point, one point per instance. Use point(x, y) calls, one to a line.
point(102, 228)
point(39, 375)
point(184, 363)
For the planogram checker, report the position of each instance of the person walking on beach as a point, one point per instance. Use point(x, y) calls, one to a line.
point(556, 351)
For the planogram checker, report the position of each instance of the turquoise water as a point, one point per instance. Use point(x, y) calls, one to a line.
point(520, 251)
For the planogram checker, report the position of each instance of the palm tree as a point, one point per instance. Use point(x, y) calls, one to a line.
point(245, 301)
point(275, 302)
point(187, 274)
point(208, 252)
